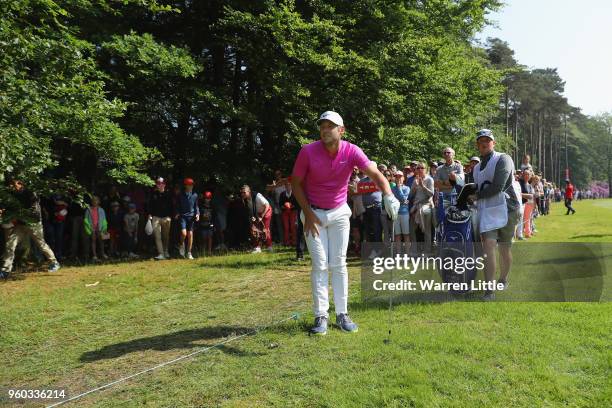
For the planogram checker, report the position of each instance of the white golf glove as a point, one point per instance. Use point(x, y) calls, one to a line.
point(392, 206)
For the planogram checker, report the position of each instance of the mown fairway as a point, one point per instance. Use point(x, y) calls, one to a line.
point(57, 332)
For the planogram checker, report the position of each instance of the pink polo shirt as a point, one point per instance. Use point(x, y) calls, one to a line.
point(326, 177)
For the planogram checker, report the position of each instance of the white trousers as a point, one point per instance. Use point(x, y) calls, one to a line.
point(328, 254)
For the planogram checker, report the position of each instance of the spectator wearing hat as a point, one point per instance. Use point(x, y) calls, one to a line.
point(96, 226)
point(409, 173)
point(188, 213)
point(421, 209)
point(469, 175)
point(401, 225)
point(125, 202)
point(498, 207)
point(115, 227)
point(433, 169)
point(569, 196)
point(289, 208)
point(25, 222)
point(260, 210)
point(58, 212)
point(130, 228)
point(160, 209)
point(205, 225)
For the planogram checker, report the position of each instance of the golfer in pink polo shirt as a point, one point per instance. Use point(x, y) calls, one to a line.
point(320, 182)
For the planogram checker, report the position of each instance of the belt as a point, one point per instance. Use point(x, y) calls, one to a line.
point(373, 206)
point(314, 207)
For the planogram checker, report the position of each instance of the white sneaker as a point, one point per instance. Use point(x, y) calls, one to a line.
point(132, 255)
point(269, 249)
point(160, 257)
point(182, 251)
point(256, 250)
point(189, 256)
point(373, 254)
point(167, 255)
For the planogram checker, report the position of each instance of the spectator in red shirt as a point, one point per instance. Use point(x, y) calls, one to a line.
point(569, 196)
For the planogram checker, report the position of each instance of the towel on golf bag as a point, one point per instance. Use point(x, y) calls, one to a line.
point(466, 191)
point(258, 233)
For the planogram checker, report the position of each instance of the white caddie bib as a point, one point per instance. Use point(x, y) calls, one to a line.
point(492, 211)
point(516, 186)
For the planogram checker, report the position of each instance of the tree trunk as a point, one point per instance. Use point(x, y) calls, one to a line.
point(507, 112)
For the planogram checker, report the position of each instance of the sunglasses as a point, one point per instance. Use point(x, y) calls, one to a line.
point(421, 167)
point(448, 152)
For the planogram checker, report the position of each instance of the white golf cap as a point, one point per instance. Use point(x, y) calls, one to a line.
point(332, 116)
point(485, 133)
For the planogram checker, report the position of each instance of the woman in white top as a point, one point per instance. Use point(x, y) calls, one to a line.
point(421, 209)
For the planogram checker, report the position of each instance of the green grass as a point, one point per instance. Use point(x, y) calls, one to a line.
point(56, 332)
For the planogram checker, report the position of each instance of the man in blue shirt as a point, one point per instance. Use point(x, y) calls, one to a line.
point(188, 213)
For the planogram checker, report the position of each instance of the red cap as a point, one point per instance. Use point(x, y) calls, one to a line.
point(188, 182)
point(207, 195)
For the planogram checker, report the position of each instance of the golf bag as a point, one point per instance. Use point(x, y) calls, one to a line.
point(456, 240)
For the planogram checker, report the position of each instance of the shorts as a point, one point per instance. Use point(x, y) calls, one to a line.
point(206, 232)
point(221, 221)
point(505, 234)
point(401, 224)
point(187, 222)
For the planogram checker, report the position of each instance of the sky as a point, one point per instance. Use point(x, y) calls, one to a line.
point(574, 36)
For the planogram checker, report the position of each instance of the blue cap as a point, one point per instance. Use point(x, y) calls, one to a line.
point(485, 133)
point(131, 205)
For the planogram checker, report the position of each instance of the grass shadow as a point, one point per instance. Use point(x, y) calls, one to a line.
point(183, 339)
point(253, 262)
point(590, 236)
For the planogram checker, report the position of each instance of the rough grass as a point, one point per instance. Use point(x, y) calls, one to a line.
point(56, 332)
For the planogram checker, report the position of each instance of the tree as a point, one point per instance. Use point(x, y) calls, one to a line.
point(55, 115)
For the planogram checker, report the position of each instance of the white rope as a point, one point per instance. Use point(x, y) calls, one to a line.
point(200, 351)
